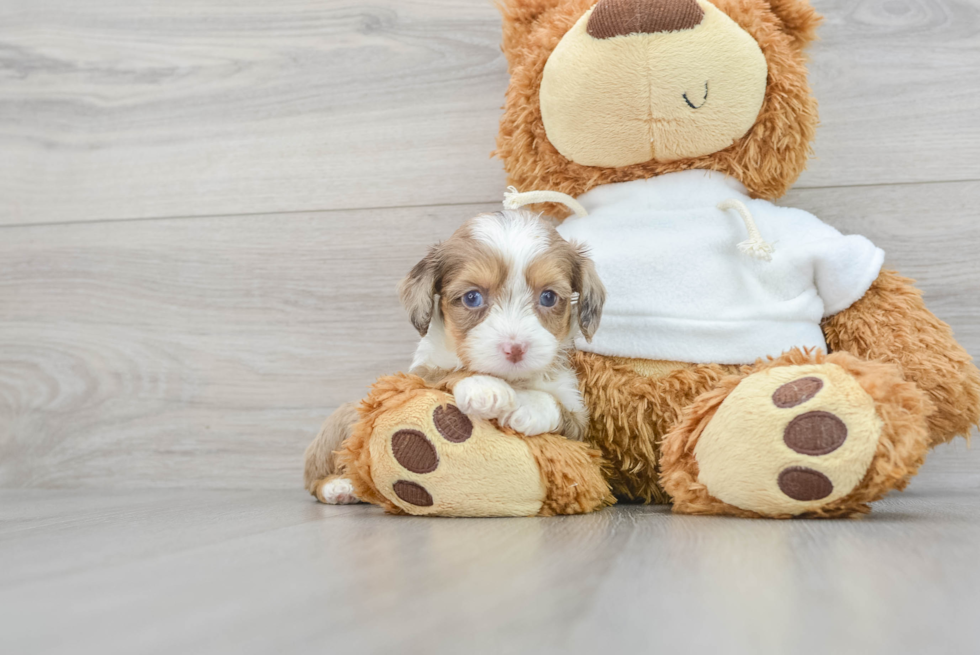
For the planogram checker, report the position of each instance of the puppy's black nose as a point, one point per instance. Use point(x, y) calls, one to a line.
point(621, 17)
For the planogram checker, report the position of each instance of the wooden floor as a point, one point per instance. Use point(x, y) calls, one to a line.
point(204, 208)
point(188, 571)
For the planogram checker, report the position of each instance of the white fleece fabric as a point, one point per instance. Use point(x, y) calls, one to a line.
point(679, 288)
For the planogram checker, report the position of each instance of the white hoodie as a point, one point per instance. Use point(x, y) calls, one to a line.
point(680, 289)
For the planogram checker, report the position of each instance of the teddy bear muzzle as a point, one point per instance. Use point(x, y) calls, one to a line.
point(651, 80)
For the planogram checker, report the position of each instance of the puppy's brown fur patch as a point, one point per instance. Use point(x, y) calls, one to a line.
point(554, 272)
point(470, 266)
point(461, 264)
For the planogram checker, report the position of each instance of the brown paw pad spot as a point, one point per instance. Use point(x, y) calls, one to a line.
point(796, 392)
point(801, 483)
point(414, 451)
point(815, 433)
point(412, 493)
point(452, 424)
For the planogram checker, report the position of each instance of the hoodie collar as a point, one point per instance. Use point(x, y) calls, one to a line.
point(681, 190)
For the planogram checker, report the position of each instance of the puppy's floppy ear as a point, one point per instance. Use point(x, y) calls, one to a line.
point(591, 293)
point(418, 290)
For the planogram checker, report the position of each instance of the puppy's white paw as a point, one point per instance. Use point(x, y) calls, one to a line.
point(535, 412)
point(483, 396)
point(337, 491)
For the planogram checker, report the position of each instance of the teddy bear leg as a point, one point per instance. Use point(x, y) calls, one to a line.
point(414, 452)
point(632, 404)
point(803, 435)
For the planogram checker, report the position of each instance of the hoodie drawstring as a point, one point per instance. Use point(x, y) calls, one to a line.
point(515, 200)
point(755, 246)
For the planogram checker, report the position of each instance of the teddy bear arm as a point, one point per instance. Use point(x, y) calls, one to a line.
point(891, 323)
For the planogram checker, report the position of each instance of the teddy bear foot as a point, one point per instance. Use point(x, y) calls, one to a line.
point(803, 435)
point(415, 452)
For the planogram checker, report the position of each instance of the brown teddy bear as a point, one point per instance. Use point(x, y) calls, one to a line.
point(668, 126)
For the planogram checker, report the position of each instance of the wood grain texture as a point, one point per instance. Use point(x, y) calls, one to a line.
point(201, 351)
point(260, 572)
point(899, 86)
point(113, 110)
point(206, 352)
point(187, 108)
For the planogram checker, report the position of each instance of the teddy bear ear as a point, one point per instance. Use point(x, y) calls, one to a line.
point(524, 12)
point(799, 19)
point(520, 17)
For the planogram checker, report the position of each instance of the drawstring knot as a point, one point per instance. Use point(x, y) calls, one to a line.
point(755, 245)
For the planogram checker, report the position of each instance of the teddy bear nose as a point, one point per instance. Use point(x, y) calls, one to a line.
point(621, 17)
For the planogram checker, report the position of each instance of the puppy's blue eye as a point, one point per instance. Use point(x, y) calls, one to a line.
point(548, 298)
point(473, 299)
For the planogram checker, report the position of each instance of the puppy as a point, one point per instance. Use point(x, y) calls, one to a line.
point(498, 306)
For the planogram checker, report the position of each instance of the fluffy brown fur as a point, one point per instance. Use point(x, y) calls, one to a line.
point(630, 414)
point(768, 159)
point(800, 21)
point(891, 324)
point(573, 476)
point(901, 449)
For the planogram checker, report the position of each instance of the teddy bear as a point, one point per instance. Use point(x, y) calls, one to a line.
point(752, 360)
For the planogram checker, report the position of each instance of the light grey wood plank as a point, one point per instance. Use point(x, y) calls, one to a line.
point(176, 108)
point(259, 572)
point(203, 351)
point(206, 352)
point(108, 529)
point(184, 108)
point(950, 466)
point(899, 87)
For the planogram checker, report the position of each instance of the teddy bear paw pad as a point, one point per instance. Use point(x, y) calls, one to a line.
point(796, 392)
point(789, 440)
point(414, 451)
point(430, 458)
point(801, 483)
point(452, 424)
point(412, 493)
